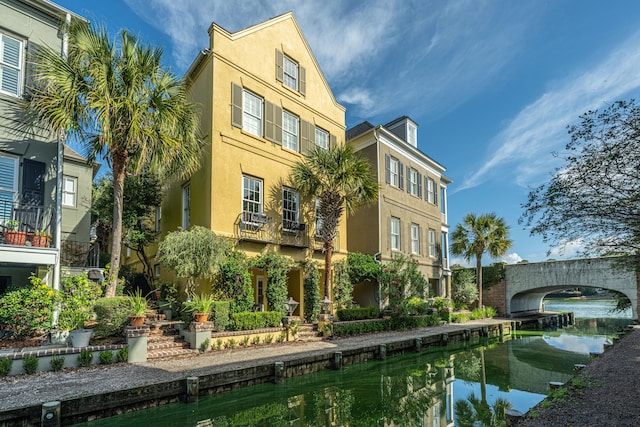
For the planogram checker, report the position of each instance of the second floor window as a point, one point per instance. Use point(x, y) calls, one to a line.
point(290, 207)
point(322, 138)
point(414, 182)
point(393, 172)
point(395, 234)
point(432, 191)
point(290, 131)
point(10, 65)
point(69, 191)
point(432, 243)
point(415, 239)
point(251, 194)
point(252, 107)
point(8, 184)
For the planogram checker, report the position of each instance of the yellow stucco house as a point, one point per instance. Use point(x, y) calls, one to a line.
point(264, 103)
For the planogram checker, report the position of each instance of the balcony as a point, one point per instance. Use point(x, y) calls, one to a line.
point(294, 234)
point(255, 227)
point(79, 254)
point(24, 224)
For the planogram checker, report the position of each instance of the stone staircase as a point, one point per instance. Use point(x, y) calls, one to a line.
point(309, 332)
point(165, 341)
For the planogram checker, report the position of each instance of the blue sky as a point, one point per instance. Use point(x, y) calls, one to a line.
point(493, 84)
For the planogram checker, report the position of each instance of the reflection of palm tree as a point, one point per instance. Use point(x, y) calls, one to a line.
point(474, 410)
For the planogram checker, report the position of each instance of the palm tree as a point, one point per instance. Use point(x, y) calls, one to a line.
point(341, 180)
point(477, 235)
point(118, 100)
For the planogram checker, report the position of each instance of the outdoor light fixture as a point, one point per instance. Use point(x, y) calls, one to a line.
point(291, 305)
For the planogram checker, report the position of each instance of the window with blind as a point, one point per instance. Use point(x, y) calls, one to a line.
point(11, 65)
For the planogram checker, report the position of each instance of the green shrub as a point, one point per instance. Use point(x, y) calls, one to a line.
point(30, 364)
point(106, 357)
point(219, 344)
point(234, 280)
point(256, 320)
point(311, 291)
point(359, 313)
point(245, 340)
point(357, 328)
point(440, 303)
point(220, 315)
point(204, 346)
point(282, 337)
point(27, 311)
point(464, 291)
point(268, 339)
point(57, 362)
point(123, 355)
point(400, 323)
point(112, 315)
point(460, 318)
point(414, 306)
point(77, 300)
point(231, 343)
point(5, 366)
point(85, 357)
point(255, 340)
point(483, 313)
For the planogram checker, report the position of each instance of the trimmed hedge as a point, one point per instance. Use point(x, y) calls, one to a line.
point(347, 314)
point(256, 320)
point(220, 315)
point(390, 324)
point(112, 315)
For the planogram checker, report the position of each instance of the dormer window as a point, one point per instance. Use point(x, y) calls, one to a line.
point(412, 134)
point(290, 73)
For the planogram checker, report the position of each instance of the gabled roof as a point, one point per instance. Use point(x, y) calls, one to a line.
point(52, 9)
point(358, 129)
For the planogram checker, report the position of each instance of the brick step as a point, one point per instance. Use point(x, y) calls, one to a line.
point(174, 353)
point(164, 339)
point(167, 345)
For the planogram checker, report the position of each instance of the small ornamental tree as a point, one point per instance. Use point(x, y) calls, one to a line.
point(400, 279)
point(193, 254)
point(343, 288)
point(362, 267)
point(277, 269)
point(463, 287)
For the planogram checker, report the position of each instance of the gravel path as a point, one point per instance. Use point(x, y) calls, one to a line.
point(605, 393)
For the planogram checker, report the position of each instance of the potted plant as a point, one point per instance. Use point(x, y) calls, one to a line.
point(138, 306)
point(78, 334)
point(12, 236)
point(41, 239)
point(200, 306)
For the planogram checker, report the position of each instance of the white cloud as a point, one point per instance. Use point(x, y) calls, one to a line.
point(567, 249)
point(462, 262)
point(525, 145)
point(512, 258)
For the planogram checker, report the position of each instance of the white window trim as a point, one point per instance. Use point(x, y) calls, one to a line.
point(293, 218)
point(289, 80)
point(322, 134)
point(156, 270)
point(415, 239)
point(432, 242)
point(413, 178)
point(249, 117)
point(395, 244)
point(258, 203)
point(394, 175)
point(20, 66)
point(292, 134)
point(69, 193)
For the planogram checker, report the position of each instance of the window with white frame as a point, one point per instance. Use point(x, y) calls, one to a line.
point(11, 65)
point(290, 208)
point(251, 194)
point(290, 130)
point(415, 239)
point(290, 77)
point(412, 134)
point(432, 195)
point(69, 191)
point(413, 182)
point(318, 218)
point(156, 270)
point(158, 217)
point(322, 138)
point(395, 233)
point(432, 243)
point(252, 113)
point(186, 206)
point(394, 169)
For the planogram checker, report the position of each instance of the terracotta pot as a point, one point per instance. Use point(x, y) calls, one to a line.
point(40, 241)
point(136, 320)
point(202, 317)
point(16, 238)
point(158, 293)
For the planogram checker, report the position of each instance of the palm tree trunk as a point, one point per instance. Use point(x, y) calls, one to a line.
point(328, 254)
point(479, 278)
point(119, 174)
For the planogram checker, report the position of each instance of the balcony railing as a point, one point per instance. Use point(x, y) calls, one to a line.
point(24, 224)
point(258, 227)
point(79, 254)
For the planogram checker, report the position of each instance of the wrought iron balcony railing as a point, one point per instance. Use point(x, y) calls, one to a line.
point(24, 224)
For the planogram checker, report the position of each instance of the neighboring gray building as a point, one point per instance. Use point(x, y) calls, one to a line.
point(35, 195)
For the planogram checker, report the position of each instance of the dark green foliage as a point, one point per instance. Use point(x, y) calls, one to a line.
point(414, 306)
point(358, 313)
point(106, 357)
point(362, 267)
point(483, 313)
point(400, 323)
point(27, 311)
point(460, 318)
point(123, 355)
point(234, 280)
point(400, 279)
point(57, 362)
point(30, 364)
point(112, 316)
point(5, 366)
point(277, 268)
point(357, 328)
point(492, 274)
point(78, 298)
point(463, 287)
point(220, 313)
point(85, 357)
point(256, 320)
point(312, 305)
point(342, 286)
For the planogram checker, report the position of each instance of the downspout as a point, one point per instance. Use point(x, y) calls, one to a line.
point(379, 253)
point(60, 141)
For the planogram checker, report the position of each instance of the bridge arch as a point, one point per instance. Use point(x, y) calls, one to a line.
point(528, 283)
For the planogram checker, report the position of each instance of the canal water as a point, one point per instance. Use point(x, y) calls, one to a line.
point(456, 385)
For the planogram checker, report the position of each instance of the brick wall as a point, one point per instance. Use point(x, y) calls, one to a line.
point(496, 297)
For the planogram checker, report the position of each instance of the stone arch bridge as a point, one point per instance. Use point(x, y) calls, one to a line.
point(527, 284)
